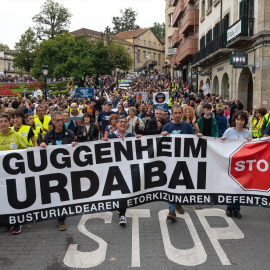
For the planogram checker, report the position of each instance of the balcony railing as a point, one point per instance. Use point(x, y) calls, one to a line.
point(186, 49)
point(179, 9)
point(218, 43)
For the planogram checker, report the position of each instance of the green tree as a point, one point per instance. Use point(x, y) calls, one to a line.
point(3, 47)
point(69, 56)
point(102, 64)
point(26, 51)
point(53, 20)
point(119, 55)
point(55, 53)
point(159, 29)
point(125, 22)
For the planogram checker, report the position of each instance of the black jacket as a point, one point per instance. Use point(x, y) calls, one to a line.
point(92, 134)
point(67, 137)
point(151, 127)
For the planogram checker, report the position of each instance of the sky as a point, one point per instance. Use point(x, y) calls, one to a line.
point(16, 15)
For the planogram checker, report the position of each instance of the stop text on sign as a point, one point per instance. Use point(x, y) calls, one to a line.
point(249, 166)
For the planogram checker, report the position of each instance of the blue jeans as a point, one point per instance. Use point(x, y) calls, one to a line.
point(171, 207)
point(234, 207)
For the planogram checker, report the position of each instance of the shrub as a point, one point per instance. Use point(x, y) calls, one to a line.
point(62, 85)
point(64, 92)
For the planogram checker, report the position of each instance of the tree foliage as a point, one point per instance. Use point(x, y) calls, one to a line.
point(69, 56)
point(119, 55)
point(26, 51)
point(159, 29)
point(53, 20)
point(3, 47)
point(125, 22)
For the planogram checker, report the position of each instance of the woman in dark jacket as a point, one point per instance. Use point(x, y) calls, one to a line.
point(88, 130)
point(69, 124)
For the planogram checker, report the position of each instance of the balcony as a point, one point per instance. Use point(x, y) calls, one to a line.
point(188, 21)
point(175, 38)
point(214, 47)
point(179, 10)
point(245, 33)
point(186, 50)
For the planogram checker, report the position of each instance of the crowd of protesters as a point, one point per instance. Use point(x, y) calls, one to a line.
point(118, 113)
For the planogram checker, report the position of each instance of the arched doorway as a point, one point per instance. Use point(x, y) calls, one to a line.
point(215, 88)
point(225, 87)
point(201, 84)
point(208, 81)
point(245, 88)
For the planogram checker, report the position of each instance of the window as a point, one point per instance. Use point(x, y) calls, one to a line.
point(209, 36)
point(202, 42)
point(159, 56)
point(138, 56)
point(149, 56)
point(138, 41)
point(9, 67)
point(159, 46)
point(210, 3)
point(154, 56)
point(154, 45)
point(144, 43)
point(216, 30)
point(128, 50)
point(144, 54)
point(149, 44)
point(203, 8)
point(171, 16)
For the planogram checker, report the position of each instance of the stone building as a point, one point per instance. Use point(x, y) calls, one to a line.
point(227, 27)
point(6, 63)
point(148, 50)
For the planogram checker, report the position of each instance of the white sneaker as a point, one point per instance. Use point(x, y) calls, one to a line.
point(122, 220)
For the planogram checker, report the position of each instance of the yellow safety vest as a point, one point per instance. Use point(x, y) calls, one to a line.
point(256, 123)
point(47, 120)
point(170, 103)
point(36, 132)
point(24, 131)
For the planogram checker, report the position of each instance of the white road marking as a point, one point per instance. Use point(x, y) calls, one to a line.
point(215, 234)
point(135, 214)
point(78, 259)
point(188, 257)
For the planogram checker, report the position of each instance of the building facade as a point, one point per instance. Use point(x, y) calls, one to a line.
point(148, 51)
point(184, 40)
point(170, 52)
point(6, 64)
point(228, 28)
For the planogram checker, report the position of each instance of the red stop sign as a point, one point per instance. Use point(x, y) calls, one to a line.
point(250, 166)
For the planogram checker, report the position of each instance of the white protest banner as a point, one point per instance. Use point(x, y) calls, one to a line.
point(141, 96)
point(38, 184)
point(160, 98)
point(206, 89)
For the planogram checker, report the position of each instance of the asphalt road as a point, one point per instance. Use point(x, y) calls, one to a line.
point(203, 238)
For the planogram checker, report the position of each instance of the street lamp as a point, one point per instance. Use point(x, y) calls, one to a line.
point(45, 70)
point(117, 69)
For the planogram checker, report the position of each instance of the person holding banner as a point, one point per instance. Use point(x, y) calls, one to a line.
point(88, 130)
point(121, 132)
point(59, 135)
point(238, 131)
point(10, 140)
point(177, 126)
